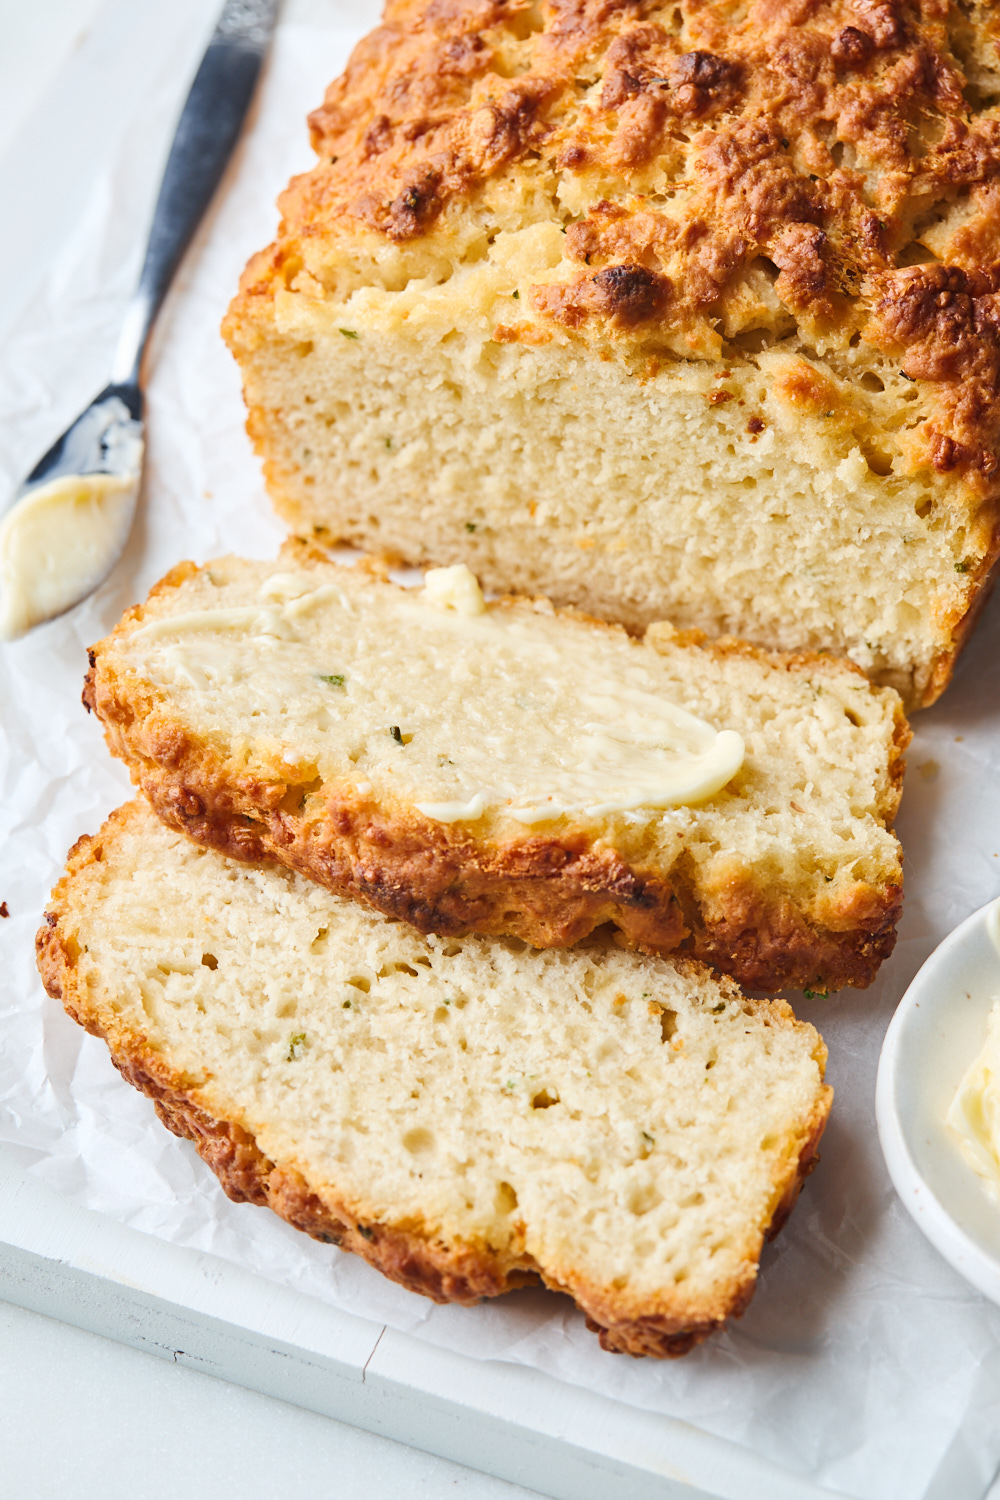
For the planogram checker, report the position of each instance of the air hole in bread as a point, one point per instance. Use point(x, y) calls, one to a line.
point(419, 1142)
point(872, 382)
point(880, 463)
point(668, 1023)
point(916, 254)
point(754, 341)
point(295, 797)
point(210, 961)
point(544, 1100)
point(359, 982)
point(765, 267)
point(644, 1197)
point(505, 1198)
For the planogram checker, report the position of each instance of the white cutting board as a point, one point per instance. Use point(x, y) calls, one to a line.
point(195, 1309)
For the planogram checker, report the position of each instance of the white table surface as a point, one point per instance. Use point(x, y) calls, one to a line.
point(84, 1416)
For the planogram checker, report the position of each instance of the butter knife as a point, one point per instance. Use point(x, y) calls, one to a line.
point(66, 525)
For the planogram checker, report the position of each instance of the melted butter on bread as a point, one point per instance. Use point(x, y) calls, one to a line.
point(549, 723)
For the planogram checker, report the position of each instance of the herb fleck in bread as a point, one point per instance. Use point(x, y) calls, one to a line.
point(408, 754)
point(467, 1115)
point(681, 311)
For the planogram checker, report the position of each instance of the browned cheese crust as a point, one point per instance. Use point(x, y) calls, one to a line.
point(550, 890)
point(826, 140)
point(442, 1270)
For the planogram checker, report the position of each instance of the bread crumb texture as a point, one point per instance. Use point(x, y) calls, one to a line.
point(322, 716)
point(683, 310)
point(467, 1115)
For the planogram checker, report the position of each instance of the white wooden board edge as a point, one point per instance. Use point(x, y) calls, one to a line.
point(503, 1419)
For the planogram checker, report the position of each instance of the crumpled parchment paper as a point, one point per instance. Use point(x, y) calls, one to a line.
point(864, 1363)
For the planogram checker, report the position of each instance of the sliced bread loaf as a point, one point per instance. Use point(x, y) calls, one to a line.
point(506, 769)
point(682, 310)
point(466, 1115)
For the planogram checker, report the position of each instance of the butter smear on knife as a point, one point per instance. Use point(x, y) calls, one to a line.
point(58, 542)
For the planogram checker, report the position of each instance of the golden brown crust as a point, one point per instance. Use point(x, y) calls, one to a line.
point(821, 144)
point(550, 890)
point(441, 1270)
point(943, 323)
point(543, 890)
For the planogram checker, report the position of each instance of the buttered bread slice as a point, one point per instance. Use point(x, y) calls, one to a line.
point(503, 768)
point(467, 1115)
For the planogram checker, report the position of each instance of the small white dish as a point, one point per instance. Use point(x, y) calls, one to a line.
point(936, 1033)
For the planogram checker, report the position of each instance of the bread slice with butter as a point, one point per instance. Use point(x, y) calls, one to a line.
point(467, 1115)
point(504, 768)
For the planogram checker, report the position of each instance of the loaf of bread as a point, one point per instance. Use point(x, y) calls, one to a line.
point(504, 768)
point(467, 1115)
point(682, 311)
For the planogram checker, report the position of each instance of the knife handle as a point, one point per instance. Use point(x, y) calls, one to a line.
point(207, 131)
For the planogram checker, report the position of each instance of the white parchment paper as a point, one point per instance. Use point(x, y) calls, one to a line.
point(864, 1362)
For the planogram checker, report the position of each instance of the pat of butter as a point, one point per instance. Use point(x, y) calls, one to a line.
point(692, 778)
point(249, 619)
point(506, 711)
point(455, 588)
point(58, 542)
point(454, 812)
point(974, 1115)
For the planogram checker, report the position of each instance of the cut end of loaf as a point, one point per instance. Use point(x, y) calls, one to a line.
point(466, 1115)
point(696, 322)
